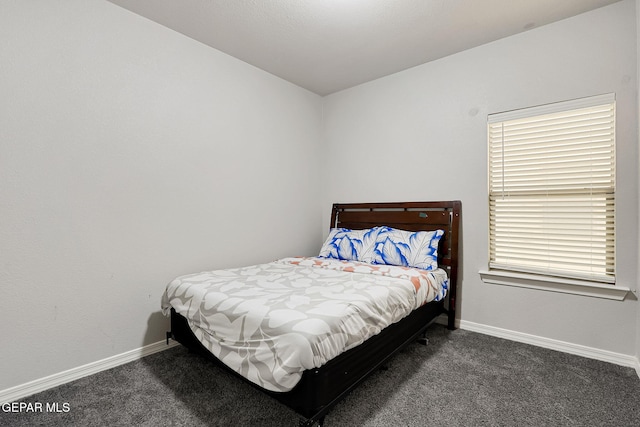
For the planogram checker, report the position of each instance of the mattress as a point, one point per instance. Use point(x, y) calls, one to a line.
point(270, 322)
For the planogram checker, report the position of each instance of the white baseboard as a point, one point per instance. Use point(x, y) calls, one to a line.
point(36, 386)
point(566, 347)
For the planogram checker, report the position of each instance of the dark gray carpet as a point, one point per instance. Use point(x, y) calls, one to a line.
point(460, 379)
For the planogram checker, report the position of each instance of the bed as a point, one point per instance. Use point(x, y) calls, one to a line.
point(321, 381)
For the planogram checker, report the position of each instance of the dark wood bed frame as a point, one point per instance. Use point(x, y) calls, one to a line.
point(321, 388)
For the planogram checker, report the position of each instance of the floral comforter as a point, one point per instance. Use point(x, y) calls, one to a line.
point(270, 322)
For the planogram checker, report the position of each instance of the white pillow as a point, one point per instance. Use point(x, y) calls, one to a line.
point(347, 244)
point(407, 248)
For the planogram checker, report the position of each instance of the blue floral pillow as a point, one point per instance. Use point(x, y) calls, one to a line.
point(347, 244)
point(407, 248)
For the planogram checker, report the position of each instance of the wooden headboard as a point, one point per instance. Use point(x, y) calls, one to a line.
point(412, 216)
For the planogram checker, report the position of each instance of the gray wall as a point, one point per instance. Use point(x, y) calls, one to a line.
point(130, 154)
point(638, 262)
point(421, 135)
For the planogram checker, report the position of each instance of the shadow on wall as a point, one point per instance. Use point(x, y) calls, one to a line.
point(157, 327)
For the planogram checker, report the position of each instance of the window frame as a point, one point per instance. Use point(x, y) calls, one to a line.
point(566, 283)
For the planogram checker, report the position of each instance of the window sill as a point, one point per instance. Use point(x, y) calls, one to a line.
point(554, 284)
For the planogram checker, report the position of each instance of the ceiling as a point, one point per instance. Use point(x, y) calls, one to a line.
point(329, 45)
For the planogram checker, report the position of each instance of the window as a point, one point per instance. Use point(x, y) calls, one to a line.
point(552, 190)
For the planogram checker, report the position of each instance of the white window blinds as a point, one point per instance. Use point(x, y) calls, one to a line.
point(552, 189)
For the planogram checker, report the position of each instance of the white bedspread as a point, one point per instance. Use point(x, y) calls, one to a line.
point(270, 322)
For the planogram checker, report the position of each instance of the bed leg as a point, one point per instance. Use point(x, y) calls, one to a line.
point(423, 339)
point(451, 315)
point(310, 422)
point(169, 336)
